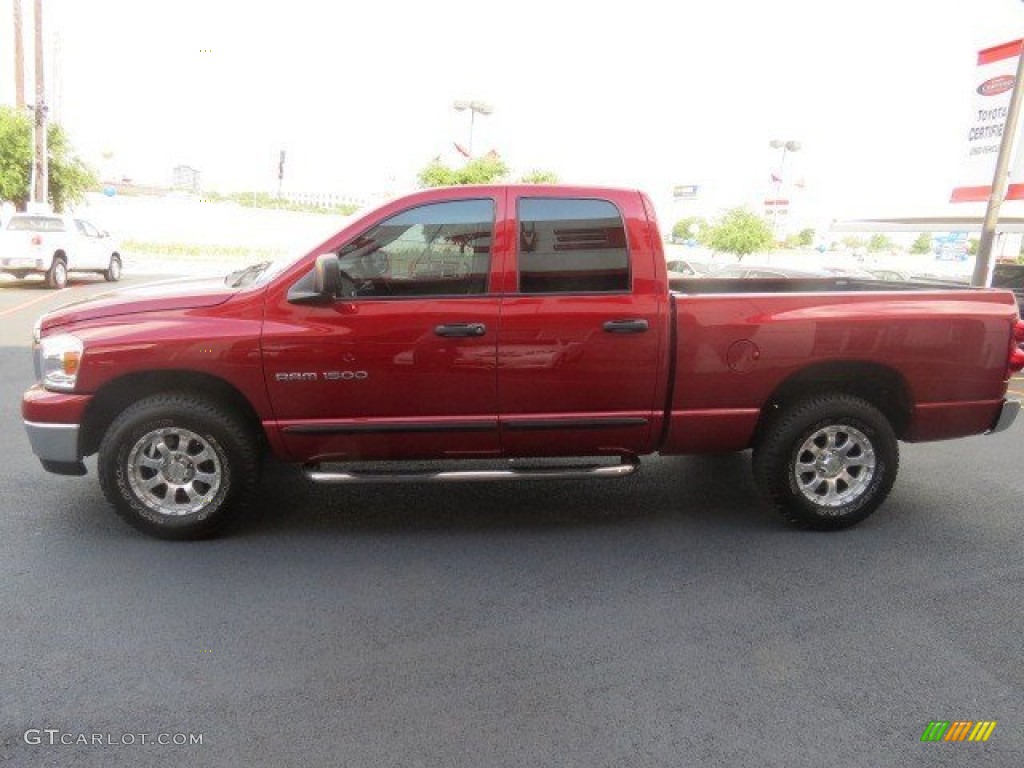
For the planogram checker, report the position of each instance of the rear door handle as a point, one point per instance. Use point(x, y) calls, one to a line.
point(626, 326)
point(461, 329)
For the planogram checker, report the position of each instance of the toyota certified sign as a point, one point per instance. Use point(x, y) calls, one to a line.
point(990, 106)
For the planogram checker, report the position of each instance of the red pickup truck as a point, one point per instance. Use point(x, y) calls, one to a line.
point(508, 322)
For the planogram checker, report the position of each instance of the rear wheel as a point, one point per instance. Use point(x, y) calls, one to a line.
point(113, 272)
point(177, 466)
point(827, 462)
point(57, 274)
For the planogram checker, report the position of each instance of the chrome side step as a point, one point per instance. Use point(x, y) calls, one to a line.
point(628, 467)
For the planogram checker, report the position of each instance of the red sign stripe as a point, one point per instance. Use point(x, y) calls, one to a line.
point(980, 194)
point(999, 52)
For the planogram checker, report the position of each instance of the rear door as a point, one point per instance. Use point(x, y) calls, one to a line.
point(580, 340)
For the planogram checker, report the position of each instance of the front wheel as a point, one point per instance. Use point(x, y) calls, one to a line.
point(177, 466)
point(827, 462)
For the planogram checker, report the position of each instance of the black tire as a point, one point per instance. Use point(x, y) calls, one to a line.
point(57, 274)
point(866, 457)
point(229, 456)
point(113, 272)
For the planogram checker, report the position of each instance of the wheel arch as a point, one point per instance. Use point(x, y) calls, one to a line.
point(880, 385)
point(117, 394)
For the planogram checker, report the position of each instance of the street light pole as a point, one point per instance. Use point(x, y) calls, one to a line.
point(785, 145)
point(474, 107)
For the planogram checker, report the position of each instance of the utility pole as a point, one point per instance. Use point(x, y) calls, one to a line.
point(983, 263)
point(19, 59)
point(42, 165)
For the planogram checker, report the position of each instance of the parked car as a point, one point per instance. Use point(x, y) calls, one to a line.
point(758, 271)
point(688, 268)
point(558, 338)
point(889, 275)
point(52, 246)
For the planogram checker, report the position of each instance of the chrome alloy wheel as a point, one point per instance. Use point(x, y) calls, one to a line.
point(174, 471)
point(834, 466)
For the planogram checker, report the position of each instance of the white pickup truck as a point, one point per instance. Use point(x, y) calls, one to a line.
point(53, 245)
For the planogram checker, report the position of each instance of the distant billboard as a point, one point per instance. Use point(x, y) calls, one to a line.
point(991, 90)
point(685, 191)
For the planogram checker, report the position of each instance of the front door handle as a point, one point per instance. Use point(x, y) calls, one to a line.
point(461, 329)
point(626, 326)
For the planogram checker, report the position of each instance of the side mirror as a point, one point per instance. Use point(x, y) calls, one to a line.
point(327, 276)
point(322, 285)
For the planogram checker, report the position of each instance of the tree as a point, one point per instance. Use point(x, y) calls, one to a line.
point(540, 177)
point(972, 247)
point(739, 231)
point(806, 237)
point(853, 242)
point(923, 244)
point(70, 177)
point(488, 169)
point(688, 228)
point(879, 242)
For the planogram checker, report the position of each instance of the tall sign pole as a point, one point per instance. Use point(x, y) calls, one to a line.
point(983, 265)
point(42, 166)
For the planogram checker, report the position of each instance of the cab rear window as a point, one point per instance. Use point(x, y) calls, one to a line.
point(36, 223)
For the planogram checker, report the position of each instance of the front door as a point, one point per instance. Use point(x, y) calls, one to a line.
point(403, 363)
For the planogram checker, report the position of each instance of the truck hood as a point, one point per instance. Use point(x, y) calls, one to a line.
point(152, 297)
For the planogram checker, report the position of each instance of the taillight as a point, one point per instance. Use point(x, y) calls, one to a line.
point(37, 240)
point(1016, 361)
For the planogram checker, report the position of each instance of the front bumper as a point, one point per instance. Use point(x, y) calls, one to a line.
point(1007, 415)
point(22, 265)
point(53, 423)
point(56, 445)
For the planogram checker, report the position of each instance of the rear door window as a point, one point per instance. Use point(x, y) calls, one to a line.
point(572, 246)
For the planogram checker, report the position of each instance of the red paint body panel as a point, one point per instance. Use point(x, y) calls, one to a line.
point(546, 378)
point(949, 347)
point(42, 406)
point(152, 297)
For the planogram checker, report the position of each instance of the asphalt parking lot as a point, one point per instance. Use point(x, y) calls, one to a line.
point(665, 620)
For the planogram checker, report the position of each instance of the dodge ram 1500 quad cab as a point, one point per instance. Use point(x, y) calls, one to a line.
point(502, 322)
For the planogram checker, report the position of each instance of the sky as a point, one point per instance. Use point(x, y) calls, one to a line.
point(641, 94)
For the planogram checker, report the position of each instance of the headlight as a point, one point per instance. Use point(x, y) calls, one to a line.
point(60, 357)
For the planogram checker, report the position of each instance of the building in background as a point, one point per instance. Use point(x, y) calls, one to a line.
point(185, 178)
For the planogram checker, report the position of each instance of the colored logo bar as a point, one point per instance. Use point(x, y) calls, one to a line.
point(958, 730)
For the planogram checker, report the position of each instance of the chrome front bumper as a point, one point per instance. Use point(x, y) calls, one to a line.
point(1007, 414)
point(56, 445)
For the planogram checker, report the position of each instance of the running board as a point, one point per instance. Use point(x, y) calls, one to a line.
point(628, 467)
